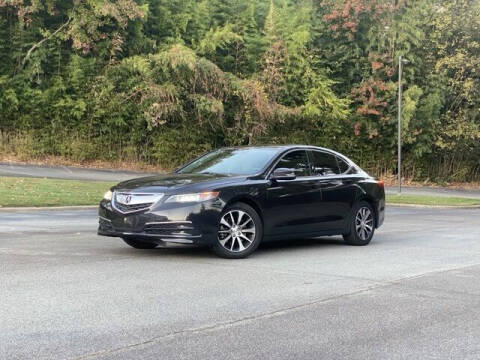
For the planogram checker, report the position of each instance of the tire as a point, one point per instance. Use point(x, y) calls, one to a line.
point(240, 231)
point(362, 225)
point(139, 244)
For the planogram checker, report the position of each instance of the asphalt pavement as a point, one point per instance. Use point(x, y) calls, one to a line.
point(413, 293)
point(67, 172)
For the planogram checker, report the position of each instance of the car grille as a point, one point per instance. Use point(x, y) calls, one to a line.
point(132, 202)
point(132, 208)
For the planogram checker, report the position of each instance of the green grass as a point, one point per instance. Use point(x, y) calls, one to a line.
point(431, 200)
point(18, 192)
point(21, 192)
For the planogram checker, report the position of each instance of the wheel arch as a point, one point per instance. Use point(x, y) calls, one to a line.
point(370, 200)
point(249, 201)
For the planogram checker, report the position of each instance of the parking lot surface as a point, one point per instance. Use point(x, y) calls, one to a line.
point(413, 293)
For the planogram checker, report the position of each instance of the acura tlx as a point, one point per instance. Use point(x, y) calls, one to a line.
point(232, 199)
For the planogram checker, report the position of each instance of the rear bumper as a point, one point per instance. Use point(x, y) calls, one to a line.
point(191, 224)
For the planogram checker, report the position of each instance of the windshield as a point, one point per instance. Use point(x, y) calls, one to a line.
point(246, 161)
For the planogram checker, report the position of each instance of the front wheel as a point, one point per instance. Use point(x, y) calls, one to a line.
point(139, 244)
point(239, 233)
point(362, 225)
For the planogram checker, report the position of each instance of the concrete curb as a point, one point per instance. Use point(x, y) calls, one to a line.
point(33, 208)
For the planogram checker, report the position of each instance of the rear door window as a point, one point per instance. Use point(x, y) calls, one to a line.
point(324, 163)
point(343, 165)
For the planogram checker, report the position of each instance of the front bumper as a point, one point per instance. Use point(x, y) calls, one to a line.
point(179, 223)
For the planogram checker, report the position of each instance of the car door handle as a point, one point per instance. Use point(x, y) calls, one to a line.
point(331, 182)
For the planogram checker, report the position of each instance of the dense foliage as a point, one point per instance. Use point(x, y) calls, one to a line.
point(161, 80)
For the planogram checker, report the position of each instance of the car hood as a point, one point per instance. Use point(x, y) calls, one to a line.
point(173, 182)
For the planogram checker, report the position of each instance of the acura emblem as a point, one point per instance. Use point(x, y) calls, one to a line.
point(128, 198)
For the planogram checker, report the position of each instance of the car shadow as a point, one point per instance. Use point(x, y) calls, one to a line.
point(191, 251)
point(199, 252)
point(301, 243)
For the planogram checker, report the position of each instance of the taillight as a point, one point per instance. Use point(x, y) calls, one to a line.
point(381, 183)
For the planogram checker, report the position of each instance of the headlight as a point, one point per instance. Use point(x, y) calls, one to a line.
point(184, 198)
point(108, 195)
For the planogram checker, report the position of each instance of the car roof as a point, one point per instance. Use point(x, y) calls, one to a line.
point(282, 148)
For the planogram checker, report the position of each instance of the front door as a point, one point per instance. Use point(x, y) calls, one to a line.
point(290, 206)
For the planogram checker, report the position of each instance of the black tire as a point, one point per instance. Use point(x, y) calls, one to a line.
point(139, 244)
point(357, 235)
point(254, 239)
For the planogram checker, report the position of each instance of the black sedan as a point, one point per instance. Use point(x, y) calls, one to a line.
point(234, 198)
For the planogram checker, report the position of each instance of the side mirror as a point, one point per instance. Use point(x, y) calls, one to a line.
point(283, 174)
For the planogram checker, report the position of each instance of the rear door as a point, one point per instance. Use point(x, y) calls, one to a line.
point(290, 205)
point(337, 187)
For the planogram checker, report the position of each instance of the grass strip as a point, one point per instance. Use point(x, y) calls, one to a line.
point(21, 192)
point(430, 200)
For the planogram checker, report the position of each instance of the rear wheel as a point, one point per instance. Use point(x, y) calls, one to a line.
point(139, 244)
point(240, 231)
point(362, 225)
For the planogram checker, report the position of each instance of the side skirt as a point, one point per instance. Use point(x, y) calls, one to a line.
point(268, 238)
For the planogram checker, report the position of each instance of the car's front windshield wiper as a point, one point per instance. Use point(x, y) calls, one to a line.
point(215, 173)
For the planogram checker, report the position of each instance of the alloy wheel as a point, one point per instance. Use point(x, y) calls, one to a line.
point(237, 231)
point(364, 223)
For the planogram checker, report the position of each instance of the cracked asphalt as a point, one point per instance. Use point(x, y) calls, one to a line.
point(414, 293)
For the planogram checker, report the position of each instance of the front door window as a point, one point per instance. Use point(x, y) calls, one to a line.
point(297, 161)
